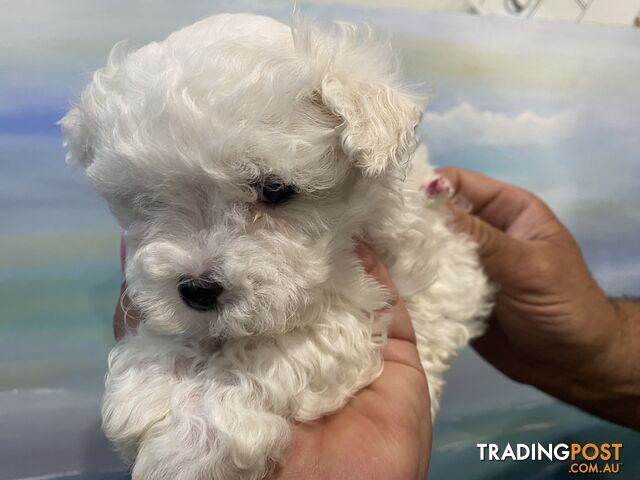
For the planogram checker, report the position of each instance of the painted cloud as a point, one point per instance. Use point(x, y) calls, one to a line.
point(465, 123)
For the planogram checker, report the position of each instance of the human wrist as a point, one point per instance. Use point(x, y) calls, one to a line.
point(607, 384)
point(628, 347)
point(625, 351)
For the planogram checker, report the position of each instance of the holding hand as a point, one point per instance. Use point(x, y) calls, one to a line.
point(552, 326)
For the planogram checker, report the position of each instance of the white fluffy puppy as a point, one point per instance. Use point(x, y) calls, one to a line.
point(244, 157)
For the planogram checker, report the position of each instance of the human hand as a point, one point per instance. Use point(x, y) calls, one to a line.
point(552, 326)
point(384, 432)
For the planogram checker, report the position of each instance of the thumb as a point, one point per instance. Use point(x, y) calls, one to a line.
point(497, 250)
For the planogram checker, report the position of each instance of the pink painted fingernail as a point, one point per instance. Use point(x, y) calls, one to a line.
point(438, 186)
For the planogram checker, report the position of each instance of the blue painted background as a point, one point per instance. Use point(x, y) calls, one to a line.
point(552, 107)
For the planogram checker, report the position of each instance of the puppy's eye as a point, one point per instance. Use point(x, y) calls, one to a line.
point(274, 192)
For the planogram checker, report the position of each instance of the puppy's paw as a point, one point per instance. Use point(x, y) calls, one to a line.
point(244, 444)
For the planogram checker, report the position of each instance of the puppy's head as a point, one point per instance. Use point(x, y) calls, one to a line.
point(242, 156)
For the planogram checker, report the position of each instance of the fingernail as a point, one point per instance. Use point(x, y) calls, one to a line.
point(367, 256)
point(439, 186)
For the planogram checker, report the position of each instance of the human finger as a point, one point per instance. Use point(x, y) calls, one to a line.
point(495, 202)
point(497, 250)
point(401, 326)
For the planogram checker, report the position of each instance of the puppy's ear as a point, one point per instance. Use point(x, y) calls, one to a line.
point(77, 138)
point(90, 118)
point(357, 82)
point(377, 132)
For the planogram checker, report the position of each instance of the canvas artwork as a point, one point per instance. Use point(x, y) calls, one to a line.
point(552, 107)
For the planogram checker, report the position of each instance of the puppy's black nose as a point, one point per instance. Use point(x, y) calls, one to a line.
point(200, 294)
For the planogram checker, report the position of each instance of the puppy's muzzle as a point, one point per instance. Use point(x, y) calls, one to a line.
point(199, 294)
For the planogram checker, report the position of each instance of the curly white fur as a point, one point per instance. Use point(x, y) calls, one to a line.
point(175, 136)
